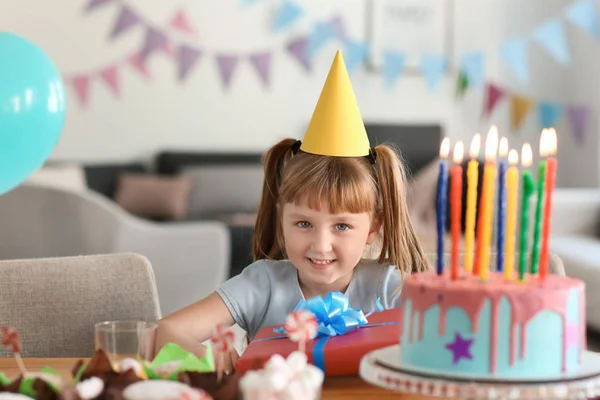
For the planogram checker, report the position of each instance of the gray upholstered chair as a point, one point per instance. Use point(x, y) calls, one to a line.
point(55, 302)
point(555, 264)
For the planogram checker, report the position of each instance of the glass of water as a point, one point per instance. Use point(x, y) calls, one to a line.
point(126, 339)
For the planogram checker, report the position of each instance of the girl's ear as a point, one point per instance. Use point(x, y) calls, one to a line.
point(375, 229)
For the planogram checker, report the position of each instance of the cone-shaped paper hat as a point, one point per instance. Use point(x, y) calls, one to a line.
point(336, 128)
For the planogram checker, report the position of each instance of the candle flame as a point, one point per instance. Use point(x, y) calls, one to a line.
point(475, 146)
point(491, 144)
point(458, 152)
point(503, 152)
point(526, 156)
point(544, 143)
point(513, 157)
point(445, 148)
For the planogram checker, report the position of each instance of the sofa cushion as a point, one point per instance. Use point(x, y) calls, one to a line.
point(151, 196)
point(103, 178)
point(224, 189)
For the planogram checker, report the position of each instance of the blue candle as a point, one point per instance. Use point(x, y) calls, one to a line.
point(501, 222)
point(441, 204)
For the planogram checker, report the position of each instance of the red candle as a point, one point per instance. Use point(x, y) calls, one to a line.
point(456, 206)
point(550, 150)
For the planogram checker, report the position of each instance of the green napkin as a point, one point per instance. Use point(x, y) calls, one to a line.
point(173, 352)
point(26, 387)
point(4, 380)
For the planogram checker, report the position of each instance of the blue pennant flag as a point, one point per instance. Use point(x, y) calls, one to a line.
point(356, 53)
point(551, 36)
point(549, 113)
point(473, 65)
point(248, 2)
point(286, 15)
point(514, 54)
point(434, 68)
point(319, 36)
point(583, 14)
point(393, 65)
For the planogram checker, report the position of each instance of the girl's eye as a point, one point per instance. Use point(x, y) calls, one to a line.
point(303, 224)
point(342, 227)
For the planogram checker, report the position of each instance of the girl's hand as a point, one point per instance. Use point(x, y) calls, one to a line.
point(229, 361)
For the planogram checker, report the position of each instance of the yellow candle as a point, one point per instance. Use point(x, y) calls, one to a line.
point(489, 181)
point(472, 177)
point(512, 185)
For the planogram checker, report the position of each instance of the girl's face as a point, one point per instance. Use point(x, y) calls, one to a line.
point(325, 247)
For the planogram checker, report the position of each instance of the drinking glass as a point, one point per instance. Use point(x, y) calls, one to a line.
point(126, 339)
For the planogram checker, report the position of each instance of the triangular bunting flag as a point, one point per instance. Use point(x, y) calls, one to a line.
point(319, 36)
point(126, 20)
point(155, 40)
point(393, 66)
point(582, 13)
point(298, 48)
point(135, 60)
point(93, 4)
point(578, 118)
point(519, 108)
point(81, 84)
point(514, 54)
point(181, 22)
point(549, 113)
point(248, 2)
point(473, 66)
point(462, 85)
point(187, 58)
point(286, 15)
point(168, 50)
point(110, 77)
point(434, 68)
point(227, 64)
point(551, 36)
point(262, 65)
point(493, 95)
point(355, 54)
point(337, 24)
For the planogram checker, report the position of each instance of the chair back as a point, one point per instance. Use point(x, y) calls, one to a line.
point(55, 302)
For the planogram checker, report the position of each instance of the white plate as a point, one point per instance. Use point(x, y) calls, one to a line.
point(382, 368)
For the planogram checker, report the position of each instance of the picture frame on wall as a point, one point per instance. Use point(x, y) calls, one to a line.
point(413, 27)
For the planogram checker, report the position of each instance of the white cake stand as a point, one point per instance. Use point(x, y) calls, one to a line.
point(382, 368)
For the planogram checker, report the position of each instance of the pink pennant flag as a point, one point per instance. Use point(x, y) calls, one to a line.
point(262, 65)
point(298, 48)
point(168, 50)
point(110, 77)
point(227, 64)
point(155, 40)
point(181, 22)
point(81, 84)
point(188, 57)
point(578, 117)
point(93, 4)
point(135, 60)
point(126, 20)
point(493, 95)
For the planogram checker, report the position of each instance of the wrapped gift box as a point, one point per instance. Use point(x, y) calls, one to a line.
point(336, 355)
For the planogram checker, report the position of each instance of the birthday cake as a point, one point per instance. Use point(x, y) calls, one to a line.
point(493, 328)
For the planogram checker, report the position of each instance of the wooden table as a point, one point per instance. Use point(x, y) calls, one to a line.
point(335, 388)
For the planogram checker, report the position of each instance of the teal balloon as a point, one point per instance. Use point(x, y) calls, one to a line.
point(32, 109)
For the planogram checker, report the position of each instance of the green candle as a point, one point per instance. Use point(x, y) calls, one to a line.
point(537, 227)
point(528, 188)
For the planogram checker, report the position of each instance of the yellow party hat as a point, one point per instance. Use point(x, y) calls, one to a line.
point(336, 128)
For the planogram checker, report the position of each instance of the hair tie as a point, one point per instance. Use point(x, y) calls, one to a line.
point(372, 157)
point(296, 146)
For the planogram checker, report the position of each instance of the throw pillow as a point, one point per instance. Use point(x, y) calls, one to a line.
point(154, 196)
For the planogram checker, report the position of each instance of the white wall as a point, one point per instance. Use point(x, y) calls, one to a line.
point(202, 115)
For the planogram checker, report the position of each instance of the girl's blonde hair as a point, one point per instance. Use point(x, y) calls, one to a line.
point(347, 184)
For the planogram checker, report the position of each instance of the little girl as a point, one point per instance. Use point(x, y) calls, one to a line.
point(326, 201)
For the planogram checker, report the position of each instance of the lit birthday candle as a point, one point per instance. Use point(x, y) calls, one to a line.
point(528, 188)
point(441, 203)
point(551, 163)
point(472, 177)
point(537, 226)
point(512, 191)
point(502, 153)
point(456, 206)
point(487, 204)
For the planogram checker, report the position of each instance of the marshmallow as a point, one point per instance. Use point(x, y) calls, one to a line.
point(90, 388)
point(162, 390)
point(131, 363)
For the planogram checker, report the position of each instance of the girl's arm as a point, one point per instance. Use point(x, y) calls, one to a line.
point(192, 325)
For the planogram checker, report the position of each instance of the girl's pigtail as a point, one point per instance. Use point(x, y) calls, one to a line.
point(266, 238)
point(400, 244)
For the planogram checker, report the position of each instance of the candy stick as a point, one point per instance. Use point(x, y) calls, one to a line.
point(12, 340)
point(222, 342)
point(301, 326)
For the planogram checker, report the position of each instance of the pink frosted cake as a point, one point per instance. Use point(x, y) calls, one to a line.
point(495, 328)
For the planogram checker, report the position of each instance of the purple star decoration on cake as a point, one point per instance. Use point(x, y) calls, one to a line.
point(460, 348)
